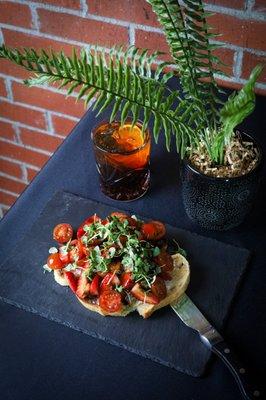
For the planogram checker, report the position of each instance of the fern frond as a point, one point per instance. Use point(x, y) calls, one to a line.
point(240, 105)
point(124, 81)
point(188, 36)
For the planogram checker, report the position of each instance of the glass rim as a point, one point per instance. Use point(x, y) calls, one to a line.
point(129, 152)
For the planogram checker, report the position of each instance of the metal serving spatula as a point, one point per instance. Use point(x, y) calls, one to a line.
point(193, 318)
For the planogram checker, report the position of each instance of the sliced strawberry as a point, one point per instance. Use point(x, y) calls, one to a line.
point(141, 295)
point(94, 287)
point(83, 288)
point(126, 280)
point(71, 280)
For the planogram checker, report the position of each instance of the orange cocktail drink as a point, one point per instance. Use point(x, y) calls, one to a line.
point(122, 156)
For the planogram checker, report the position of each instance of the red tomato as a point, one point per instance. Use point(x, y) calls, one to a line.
point(54, 261)
point(83, 286)
point(126, 280)
point(94, 288)
point(110, 301)
point(146, 297)
point(153, 230)
point(76, 250)
point(88, 221)
point(165, 276)
point(158, 288)
point(108, 281)
point(83, 263)
point(72, 280)
point(165, 261)
point(62, 233)
point(64, 257)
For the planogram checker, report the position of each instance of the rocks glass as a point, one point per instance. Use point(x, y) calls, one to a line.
point(122, 155)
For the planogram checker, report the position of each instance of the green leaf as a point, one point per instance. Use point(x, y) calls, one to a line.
point(240, 105)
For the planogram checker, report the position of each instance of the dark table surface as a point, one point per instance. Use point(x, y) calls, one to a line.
point(40, 359)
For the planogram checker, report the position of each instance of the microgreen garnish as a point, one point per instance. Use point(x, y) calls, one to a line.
point(179, 249)
point(119, 288)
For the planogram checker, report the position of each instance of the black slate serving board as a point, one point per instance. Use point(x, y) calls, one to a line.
point(216, 270)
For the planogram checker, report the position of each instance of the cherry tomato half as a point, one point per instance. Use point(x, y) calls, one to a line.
point(153, 230)
point(54, 261)
point(127, 280)
point(62, 233)
point(72, 280)
point(141, 295)
point(165, 261)
point(108, 281)
point(110, 301)
point(83, 286)
point(76, 252)
point(94, 288)
point(88, 221)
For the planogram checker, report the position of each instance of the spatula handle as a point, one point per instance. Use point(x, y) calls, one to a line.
point(225, 353)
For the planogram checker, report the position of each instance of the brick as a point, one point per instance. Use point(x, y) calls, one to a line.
point(48, 100)
point(237, 86)
point(19, 153)
point(31, 173)
point(10, 168)
point(137, 11)
point(75, 4)
point(21, 40)
point(3, 92)
point(249, 62)
point(81, 29)
point(15, 14)
point(153, 41)
point(22, 114)
point(259, 6)
point(8, 68)
point(237, 4)
point(227, 57)
point(244, 33)
point(7, 199)
point(10, 185)
point(39, 140)
point(7, 131)
point(62, 126)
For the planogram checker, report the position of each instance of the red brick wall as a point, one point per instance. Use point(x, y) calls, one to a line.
point(34, 121)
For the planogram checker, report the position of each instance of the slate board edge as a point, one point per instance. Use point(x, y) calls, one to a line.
point(100, 337)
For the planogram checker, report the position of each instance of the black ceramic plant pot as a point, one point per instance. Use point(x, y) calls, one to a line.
point(219, 203)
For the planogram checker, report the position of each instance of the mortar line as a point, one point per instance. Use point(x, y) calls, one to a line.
point(84, 7)
point(238, 61)
point(12, 178)
point(131, 35)
point(35, 17)
point(8, 85)
point(17, 133)
point(15, 161)
point(36, 149)
point(9, 192)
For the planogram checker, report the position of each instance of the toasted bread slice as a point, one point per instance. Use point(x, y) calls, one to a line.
point(175, 288)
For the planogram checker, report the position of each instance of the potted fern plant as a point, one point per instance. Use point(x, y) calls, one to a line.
point(220, 165)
